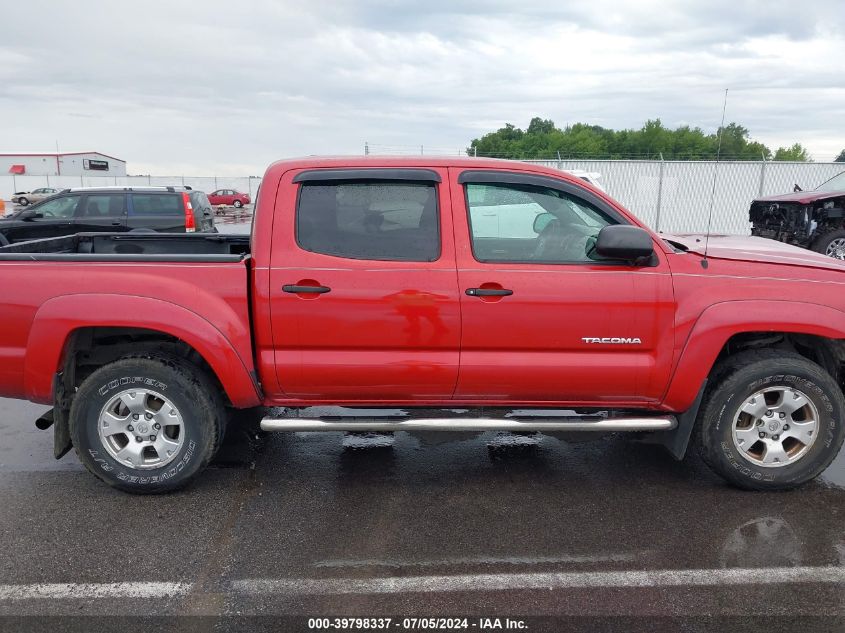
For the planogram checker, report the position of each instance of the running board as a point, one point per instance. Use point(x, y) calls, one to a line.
point(611, 425)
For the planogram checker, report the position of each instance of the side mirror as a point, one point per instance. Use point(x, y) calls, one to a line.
point(542, 221)
point(628, 243)
point(30, 215)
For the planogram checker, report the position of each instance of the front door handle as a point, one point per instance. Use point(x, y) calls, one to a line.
point(297, 289)
point(489, 292)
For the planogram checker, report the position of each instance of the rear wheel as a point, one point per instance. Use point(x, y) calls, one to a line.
point(147, 424)
point(23, 201)
point(771, 420)
point(831, 244)
point(237, 204)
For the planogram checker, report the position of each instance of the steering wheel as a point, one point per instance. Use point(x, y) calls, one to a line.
point(48, 214)
point(553, 243)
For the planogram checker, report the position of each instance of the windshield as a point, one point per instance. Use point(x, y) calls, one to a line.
point(837, 183)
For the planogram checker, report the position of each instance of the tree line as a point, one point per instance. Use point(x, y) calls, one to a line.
point(544, 140)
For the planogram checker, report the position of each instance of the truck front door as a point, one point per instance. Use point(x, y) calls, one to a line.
point(544, 319)
point(363, 286)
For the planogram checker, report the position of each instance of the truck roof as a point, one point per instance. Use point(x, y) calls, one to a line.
point(317, 162)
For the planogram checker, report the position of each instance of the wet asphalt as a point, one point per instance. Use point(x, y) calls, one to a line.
point(318, 525)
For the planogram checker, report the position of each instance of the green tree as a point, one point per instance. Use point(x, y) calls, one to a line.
point(797, 153)
point(840, 158)
point(543, 139)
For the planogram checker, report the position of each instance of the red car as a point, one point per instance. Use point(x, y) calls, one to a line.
point(415, 294)
point(230, 197)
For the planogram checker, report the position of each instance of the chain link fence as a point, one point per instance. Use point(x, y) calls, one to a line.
point(676, 196)
point(669, 196)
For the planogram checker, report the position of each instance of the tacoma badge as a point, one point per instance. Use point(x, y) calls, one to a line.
point(613, 341)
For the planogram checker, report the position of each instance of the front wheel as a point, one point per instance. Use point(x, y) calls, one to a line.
point(146, 424)
point(831, 244)
point(771, 420)
point(23, 201)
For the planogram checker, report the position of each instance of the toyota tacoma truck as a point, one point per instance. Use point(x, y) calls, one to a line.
point(447, 294)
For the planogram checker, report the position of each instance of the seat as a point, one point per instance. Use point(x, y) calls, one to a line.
point(94, 209)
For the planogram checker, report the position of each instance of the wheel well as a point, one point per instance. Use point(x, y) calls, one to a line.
point(87, 349)
point(826, 352)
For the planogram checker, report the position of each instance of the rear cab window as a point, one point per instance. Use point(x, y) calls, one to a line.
point(372, 219)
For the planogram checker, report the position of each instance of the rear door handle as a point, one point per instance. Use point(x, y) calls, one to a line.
point(489, 292)
point(296, 289)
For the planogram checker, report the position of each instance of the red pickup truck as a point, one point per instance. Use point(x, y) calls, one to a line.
point(467, 294)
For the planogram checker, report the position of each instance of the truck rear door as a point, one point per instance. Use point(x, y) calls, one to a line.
point(542, 319)
point(363, 287)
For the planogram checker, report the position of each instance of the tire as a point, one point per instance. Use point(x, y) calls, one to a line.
point(831, 244)
point(151, 385)
point(237, 204)
point(764, 381)
point(23, 201)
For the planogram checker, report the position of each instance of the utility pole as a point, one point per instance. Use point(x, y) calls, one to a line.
point(366, 148)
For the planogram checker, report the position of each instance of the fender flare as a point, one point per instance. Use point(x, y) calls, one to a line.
point(58, 318)
point(721, 321)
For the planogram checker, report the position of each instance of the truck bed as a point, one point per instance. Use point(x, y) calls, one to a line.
point(193, 287)
point(207, 247)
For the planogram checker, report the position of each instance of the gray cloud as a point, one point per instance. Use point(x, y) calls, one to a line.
point(214, 87)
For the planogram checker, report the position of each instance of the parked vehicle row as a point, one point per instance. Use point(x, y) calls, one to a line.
point(110, 209)
point(228, 197)
point(471, 294)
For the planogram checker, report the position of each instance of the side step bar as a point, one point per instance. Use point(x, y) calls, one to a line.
point(611, 425)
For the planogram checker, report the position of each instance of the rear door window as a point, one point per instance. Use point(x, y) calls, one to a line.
point(99, 205)
point(390, 220)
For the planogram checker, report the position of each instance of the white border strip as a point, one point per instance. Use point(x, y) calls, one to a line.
point(438, 584)
point(568, 580)
point(88, 591)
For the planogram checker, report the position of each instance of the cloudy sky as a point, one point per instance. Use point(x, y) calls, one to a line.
point(226, 87)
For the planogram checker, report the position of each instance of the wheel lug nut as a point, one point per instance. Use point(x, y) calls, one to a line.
point(138, 438)
point(775, 437)
point(156, 426)
point(768, 414)
point(785, 427)
point(762, 435)
point(135, 416)
point(150, 417)
point(130, 428)
point(782, 415)
point(152, 438)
